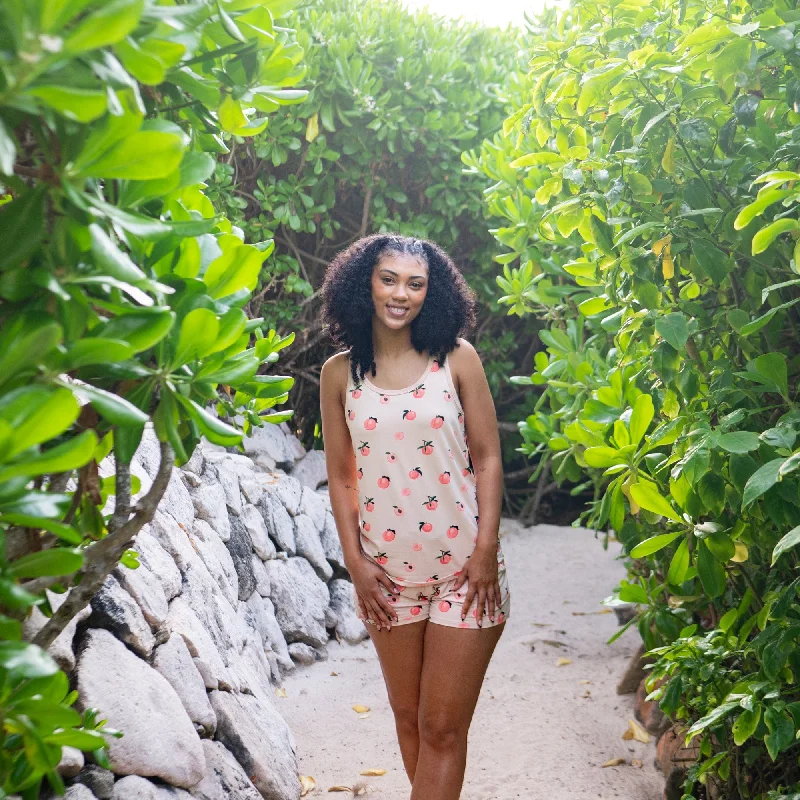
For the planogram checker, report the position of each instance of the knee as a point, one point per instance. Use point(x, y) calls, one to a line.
point(405, 717)
point(441, 733)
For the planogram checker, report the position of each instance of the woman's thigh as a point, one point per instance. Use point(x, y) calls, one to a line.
point(400, 655)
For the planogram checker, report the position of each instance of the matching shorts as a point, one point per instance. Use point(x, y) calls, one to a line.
point(440, 603)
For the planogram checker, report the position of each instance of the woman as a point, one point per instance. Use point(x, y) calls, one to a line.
point(397, 410)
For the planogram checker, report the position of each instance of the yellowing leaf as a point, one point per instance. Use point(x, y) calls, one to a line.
point(741, 553)
point(340, 789)
point(280, 692)
point(661, 244)
point(613, 762)
point(637, 732)
point(562, 662)
point(372, 772)
point(335, 674)
point(668, 159)
point(668, 266)
point(360, 709)
point(307, 783)
point(312, 128)
point(584, 681)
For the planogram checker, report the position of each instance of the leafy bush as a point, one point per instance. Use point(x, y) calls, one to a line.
point(121, 300)
point(647, 193)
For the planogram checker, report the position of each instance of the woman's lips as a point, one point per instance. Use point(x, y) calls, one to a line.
point(396, 311)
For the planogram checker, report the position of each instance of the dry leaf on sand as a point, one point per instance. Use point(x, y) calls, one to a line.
point(562, 662)
point(614, 762)
point(307, 783)
point(340, 789)
point(372, 772)
point(364, 715)
point(637, 762)
point(584, 681)
point(360, 709)
point(335, 674)
point(280, 692)
point(636, 731)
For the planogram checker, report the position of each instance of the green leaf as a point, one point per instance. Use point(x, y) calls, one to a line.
point(772, 367)
point(738, 441)
point(111, 259)
point(654, 543)
point(56, 561)
point(21, 227)
point(745, 725)
point(198, 334)
point(594, 305)
point(144, 155)
point(711, 259)
point(140, 329)
point(787, 542)
point(602, 457)
point(51, 414)
point(81, 105)
point(230, 115)
point(641, 417)
point(647, 496)
point(113, 408)
point(196, 168)
point(674, 328)
point(679, 565)
point(213, 428)
point(711, 572)
point(8, 151)
point(761, 481)
point(65, 532)
point(86, 352)
point(108, 24)
point(766, 236)
point(26, 660)
point(62, 458)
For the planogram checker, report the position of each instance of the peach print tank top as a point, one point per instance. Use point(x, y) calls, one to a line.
point(418, 507)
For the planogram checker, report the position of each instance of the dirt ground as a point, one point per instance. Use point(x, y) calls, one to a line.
point(540, 730)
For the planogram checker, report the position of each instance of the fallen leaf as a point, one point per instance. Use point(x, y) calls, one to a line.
point(360, 709)
point(614, 762)
point(280, 692)
point(562, 662)
point(637, 762)
point(364, 715)
point(372, 772)
point(307, 783)
point(638, 732)
point(542, 624)
point(555, 643)
point(340, 789)
point(335, 674)
point(360, 788)
point(584, 681)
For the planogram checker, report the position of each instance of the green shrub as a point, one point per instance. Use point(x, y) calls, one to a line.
point(121, 300)
point(647, 193)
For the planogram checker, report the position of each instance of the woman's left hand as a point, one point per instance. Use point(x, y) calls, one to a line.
point(481, 572)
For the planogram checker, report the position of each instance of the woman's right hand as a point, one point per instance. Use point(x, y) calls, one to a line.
point(369, 580)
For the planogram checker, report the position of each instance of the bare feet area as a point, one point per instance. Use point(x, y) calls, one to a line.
point(540, 730)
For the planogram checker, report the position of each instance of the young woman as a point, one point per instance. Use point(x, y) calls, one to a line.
point(398, 408)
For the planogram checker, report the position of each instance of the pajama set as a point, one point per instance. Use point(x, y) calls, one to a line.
point(418, 503)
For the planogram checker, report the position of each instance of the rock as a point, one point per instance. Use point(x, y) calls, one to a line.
point(313, 506)
point(309, 546)
point(287, 490)
point(148, 454)
point(241, 548)
point(161, 742)
point(177, 502)
point(210, 505)
point(224, 779)
point(269, 441)
point(259, 739)
point(260, 575)
point(321, 653)
point(311, 470)
point(197, 461)
point(133, 788)
point(80, 792)
point(302, 653)
point(295, 447)
point(100, 781)
point(145, 588)
point(114, 609)
point(220, 466)
point(173, 538)
point(174, 661)
point(62, 648)
point(182, 620)
point(252, 489)
point(251, 669)
point(71, 762)
point(193, 481)
point(300, 599)
point(275, 638)
point(348, 626)
point(331, 544)
point(330, 618)
point(279, 523)
point(159, 561)
point(253, 613)
point(254, 522)
point(634, 672)
point(217, 559)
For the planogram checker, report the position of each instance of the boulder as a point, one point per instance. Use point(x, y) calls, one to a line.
point(252, 488)
point(254, 522)
point(279, 523)
point(210, 505)
point(173, 538)
point(224, 779)
point(217, 559)
point(313, 506)
point(219, 466)
point(80, 792)
point(174, 661)
point(311, 470)
point(275, 638)
point(97, 780)
point(145, 588)
point(62, 648)
point(148, 454)
point(197, 461)
point(300, 599)
point(260, 575)
point(114, 609)
point(302, 653)
point(153, 556)
point(177, 502)
point(309, 546)
point(182, 620)
point(240, 547)
point(348, 626)
point(71, 762)
point(331, 544)
point(133, 787)
point(160, 740)
point(268, 445)
point(287, 490)
point(259, 739)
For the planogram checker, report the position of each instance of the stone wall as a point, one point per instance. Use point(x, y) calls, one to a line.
point(241, 579)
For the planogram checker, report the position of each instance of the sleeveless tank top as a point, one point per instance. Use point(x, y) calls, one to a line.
point(418, 504)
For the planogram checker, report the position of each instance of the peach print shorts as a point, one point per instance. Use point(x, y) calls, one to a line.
point(440, 603)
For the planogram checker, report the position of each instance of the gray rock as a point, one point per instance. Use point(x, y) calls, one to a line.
point(275, 638)
point(114, 609)
point(174, 661)
point(160, 740)
point(133, 787)
point(80, 792)
point(224, 779)
point(241, 548)
point(274, 667)
point(300, 599)
point(251, 669)
point(331, 544)
point(71, 762)
point(321, 653)
point(252, 489)
point(148, 454)
point(259, 739)
point(62, 648)
point(210, 505)
point(197, 461)
point(269, 441)
point(279, 524)
point(100, 781)
point(348, 626)
point(159, 561)
point(309, 546)
point(177, 502)
point(286, 489)
point(302, 653)
point(174, 538)
point(330, 617)
point(228, 478)
point(295, 448)
point(182, 620)
point(145, 588)
point(217, 559)
point(192, 480)
point(260, 575)
point(311, 470)
point(313, 506)
point(254, 522)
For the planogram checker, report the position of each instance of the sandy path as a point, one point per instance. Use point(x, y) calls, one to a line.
point(536, 733)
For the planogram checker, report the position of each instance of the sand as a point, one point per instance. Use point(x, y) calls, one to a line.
point(538, 732)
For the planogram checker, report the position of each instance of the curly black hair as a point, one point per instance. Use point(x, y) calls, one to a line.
point(448, 312)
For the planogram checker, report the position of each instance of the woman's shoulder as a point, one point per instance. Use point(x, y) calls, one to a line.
point(336, 368)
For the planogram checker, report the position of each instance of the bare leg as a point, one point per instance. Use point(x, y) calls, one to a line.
point(400, 655)
point(453, 667)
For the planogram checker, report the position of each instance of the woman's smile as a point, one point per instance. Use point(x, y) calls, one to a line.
point(397, 311)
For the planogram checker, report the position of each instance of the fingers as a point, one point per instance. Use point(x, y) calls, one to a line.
point(490, 601)
point(467, 602)
point(388, 583)
point(384, 613)
point(481, 607)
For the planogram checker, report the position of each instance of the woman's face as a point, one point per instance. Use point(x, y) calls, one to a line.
point(399, 286)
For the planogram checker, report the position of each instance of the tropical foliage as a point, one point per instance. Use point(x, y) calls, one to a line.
point(647, 196)
point(121, 301)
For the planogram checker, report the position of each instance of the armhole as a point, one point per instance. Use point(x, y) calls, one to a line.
point(451, 384)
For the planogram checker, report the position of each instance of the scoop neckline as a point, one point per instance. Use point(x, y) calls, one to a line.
point(406, 388)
